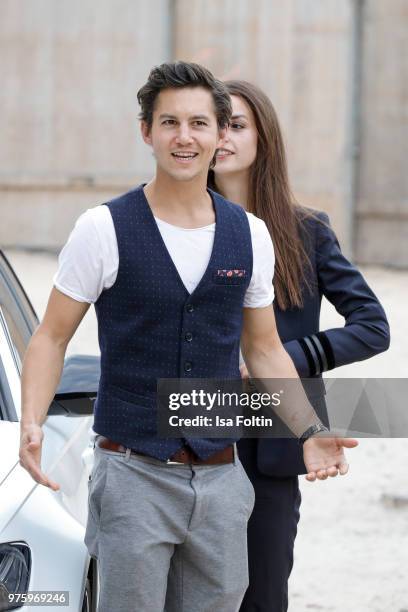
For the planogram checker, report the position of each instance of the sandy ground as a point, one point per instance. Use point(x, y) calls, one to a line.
point(352, 546)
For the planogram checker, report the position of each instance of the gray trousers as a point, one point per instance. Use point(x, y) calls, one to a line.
point(168, 538)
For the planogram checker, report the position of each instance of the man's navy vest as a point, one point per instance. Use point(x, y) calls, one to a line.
point(151, 327)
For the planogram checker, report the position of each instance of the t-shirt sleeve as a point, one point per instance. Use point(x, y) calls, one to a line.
point(88, 262)
point(260, 292)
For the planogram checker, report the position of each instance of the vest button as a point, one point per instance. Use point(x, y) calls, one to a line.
point(190, 308)
point(188, 366)
point(188, 336)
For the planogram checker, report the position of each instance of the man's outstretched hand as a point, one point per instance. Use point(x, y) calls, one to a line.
point(30, 455)
point(325, 456)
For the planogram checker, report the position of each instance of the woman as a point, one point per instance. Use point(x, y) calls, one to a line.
point(251, 170)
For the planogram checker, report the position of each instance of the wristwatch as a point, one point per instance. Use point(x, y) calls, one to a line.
point(311, 431)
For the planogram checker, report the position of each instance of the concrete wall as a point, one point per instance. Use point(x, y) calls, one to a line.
point(68, 111)
point(382, 198)
point(298, 52)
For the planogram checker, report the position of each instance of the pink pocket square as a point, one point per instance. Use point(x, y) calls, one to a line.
point(231, 273)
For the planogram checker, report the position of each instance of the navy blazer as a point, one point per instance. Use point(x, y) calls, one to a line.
point(365, 333)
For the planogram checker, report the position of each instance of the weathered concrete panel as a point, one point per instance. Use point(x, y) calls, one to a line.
point(68, 108)
point(298, 52)
point(382, 207)
point(382, 241)
point(42, 218)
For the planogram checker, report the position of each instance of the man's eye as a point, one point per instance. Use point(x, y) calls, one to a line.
point(168, 122)
point(199, 123)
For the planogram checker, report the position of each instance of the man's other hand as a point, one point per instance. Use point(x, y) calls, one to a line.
point(325, 456)
point(30, 455)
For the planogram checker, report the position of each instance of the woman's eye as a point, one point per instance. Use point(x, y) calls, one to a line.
point(236, 126)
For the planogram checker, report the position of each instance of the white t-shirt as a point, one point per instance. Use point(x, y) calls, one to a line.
point(89, 261)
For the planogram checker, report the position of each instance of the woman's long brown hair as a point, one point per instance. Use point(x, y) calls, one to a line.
point(270, 198)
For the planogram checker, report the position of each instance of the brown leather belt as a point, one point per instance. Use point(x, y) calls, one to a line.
point(183, 455)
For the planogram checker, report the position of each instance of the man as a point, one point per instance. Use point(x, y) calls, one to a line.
point(167, 517)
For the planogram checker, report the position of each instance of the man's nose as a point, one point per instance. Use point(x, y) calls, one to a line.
point(184, 134)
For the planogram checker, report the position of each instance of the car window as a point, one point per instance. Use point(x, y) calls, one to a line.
point(17, 311)
point(7, 410)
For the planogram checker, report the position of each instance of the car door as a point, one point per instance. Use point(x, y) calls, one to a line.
point(17, 323)
point(66, 448)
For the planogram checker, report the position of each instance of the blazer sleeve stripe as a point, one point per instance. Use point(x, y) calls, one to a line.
point(317, 354)
point(321, 353)
point(309, 356)
point(327, 347)
point(317, 367)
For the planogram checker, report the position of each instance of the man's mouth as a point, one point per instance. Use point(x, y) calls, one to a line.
point(184, 156)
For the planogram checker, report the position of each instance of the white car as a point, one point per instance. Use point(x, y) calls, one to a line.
point(43, 558)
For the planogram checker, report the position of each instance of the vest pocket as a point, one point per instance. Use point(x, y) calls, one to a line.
point(130, 397)
point(135, 415)
point(229, 277)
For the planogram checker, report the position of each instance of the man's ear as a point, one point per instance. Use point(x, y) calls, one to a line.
point(146, 132)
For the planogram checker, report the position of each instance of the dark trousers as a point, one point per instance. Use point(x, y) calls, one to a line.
point(272, 531)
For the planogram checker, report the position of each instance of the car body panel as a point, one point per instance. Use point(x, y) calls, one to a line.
point(66, 457)
point(9, 443)
point(59, 555)
point(51, 523)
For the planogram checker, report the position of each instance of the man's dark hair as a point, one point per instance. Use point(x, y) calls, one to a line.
point(183, 74)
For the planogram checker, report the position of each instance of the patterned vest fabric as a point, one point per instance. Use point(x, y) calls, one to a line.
point(151, 327)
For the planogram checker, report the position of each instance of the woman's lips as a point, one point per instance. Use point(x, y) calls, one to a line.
point(223, 153)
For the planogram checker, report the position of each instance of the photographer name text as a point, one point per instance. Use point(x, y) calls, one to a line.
point(205, 421)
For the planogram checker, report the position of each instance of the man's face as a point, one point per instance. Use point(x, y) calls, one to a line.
point(184, 134)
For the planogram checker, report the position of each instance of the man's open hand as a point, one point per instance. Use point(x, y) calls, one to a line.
point(325, 456)
point(30, 455)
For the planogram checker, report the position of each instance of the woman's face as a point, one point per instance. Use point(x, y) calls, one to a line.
point(238, 150)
